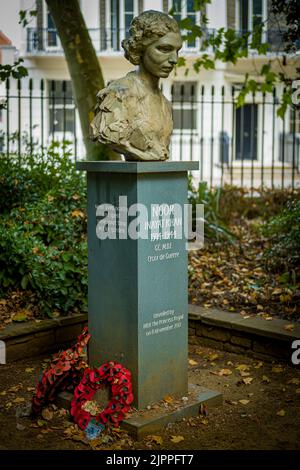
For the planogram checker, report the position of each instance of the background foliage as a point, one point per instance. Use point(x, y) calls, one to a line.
point(43, 244)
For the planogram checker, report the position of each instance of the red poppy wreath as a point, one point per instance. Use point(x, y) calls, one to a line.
point(67, 370)
point(85, 412)
point(64, 372)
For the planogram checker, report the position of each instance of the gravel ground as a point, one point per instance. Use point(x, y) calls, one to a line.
point(261, 410)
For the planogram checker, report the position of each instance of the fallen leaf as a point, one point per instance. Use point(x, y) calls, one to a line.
point(204, 421)
point(242, 367)
point(289, 327)
point(21, 315)
point(267, 317)
point(265, 379)
point(248, 380)
point(156, 439)
point(15, 388)
point(244, 402)
point(41, 423)
point(294, 381)
point(280, 413)
point(297, 390)
point(277, 369)
point(78, 213)
point(19, 400)
point(285, 298)
point(47, 414)
point(212, 356)
point(277, 291)
point(3, 393)
point(244, 374)
point(177, 439)
point(192, 362)
point(258, 365)
point(29, 370)
point(169, 399)
point(225, 372)
point(30, 389)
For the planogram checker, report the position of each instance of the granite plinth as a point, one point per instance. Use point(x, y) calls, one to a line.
point(138, 306)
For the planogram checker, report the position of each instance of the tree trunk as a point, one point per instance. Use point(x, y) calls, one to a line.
point(84, 68)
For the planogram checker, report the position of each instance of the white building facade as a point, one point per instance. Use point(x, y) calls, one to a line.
point(246, 146)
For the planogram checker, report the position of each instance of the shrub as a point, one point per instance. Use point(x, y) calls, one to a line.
point(283, 232)
point(237, 203)
point(215, 227)
point(43, 243)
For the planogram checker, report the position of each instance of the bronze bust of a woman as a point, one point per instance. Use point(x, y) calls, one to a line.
point(132, 115)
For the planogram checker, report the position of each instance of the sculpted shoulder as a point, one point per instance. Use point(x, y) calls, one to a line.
point(120, 89)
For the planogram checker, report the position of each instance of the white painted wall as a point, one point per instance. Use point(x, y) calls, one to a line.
point(9, 17)
point(153, 5)
point(216, 13)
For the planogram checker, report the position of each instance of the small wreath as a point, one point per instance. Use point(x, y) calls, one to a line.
point(85, 412)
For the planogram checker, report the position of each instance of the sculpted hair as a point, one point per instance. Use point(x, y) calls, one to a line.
point(145, 29)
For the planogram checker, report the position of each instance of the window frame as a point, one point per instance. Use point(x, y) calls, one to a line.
point(46, 46)
point(122, 32)
point(250, 17)
point(191, 105)
point(186, 46)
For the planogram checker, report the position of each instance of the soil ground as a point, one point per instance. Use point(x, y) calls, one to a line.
point(261, 410)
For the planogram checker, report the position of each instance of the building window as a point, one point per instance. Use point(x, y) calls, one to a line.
point(184, 105)
point(185, 9)
point(128, 14)
point(121, 13)
point(51, 31)
point(251, 13)
point(61, 107)
point(246, 132)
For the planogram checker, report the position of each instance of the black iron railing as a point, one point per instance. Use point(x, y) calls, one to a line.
point(247, 146)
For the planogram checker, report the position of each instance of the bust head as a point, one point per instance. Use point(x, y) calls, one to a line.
point(154, 41)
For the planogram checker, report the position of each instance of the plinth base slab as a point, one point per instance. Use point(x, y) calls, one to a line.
point(140, 423)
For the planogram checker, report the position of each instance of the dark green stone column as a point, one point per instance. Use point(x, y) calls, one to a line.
point(138, 305)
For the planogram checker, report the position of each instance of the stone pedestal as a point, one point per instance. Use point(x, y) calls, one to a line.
point(137, 301)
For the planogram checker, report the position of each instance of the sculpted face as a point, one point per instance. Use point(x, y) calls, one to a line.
point(161, 56)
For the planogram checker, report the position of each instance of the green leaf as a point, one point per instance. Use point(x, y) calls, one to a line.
point(24, 281)
point(185, 23)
